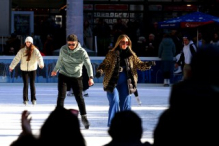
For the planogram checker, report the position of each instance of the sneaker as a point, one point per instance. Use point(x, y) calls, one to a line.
point(86, 95)
point(25, 103)
point(166, 85)
point(85, 121)
point(69, 93)
point(178, 71)
point(34, 102)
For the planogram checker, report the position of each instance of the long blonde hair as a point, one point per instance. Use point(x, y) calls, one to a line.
point(119, 40)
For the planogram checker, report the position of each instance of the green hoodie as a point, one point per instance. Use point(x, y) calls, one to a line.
point(70, 62)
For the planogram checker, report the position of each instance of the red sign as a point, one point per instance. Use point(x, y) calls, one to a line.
point(194, 24)
point(115, 7)
point(88, 7)
point(180, 8)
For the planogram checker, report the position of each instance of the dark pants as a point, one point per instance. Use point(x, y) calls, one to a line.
point(76, 85)
point(32, 76)
point(84, 80)
point(167, 68)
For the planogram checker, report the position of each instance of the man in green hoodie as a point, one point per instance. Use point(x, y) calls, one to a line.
point(71, 59)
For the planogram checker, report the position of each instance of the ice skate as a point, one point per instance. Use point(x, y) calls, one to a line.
point(34, 102)
point(138, 100)
point(25, 103)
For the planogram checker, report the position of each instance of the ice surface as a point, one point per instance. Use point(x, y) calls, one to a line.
point(154, 98)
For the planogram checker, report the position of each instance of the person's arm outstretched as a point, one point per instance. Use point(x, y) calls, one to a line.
point(15, 61)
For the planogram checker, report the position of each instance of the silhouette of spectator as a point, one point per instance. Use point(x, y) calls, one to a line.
point(177, 39)
point(140, 47)
point(118, 29)
point(151, 48)
point(166, 52)
point(191, 118)
point(48, 46)
point(132, 29)
point(13, 44)
point(154, 29)
point(102, 31)
point(215, 40)
point(126, 130)
point(26, 140)
point(37, 42)
point(62, 127)
point(88, 35)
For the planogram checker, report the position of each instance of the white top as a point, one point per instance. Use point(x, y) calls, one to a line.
point(187, 52)
point(36, 58)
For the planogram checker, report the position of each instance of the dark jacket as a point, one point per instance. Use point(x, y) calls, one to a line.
point(167, 49)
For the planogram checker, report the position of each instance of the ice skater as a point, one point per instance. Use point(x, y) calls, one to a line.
point(71, 59)
point(28, 56)
point(120, 75)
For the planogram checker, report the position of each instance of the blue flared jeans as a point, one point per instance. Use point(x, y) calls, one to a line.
point(119, 99)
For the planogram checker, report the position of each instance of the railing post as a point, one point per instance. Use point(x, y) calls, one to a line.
point(95, 42)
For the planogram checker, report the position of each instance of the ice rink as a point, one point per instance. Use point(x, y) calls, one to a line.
point(154, 99)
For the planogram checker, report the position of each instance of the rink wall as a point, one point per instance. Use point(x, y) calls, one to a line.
point(154, 75)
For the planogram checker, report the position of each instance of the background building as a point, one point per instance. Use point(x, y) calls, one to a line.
point(50, 17)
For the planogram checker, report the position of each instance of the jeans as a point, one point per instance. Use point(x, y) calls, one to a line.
point(32, 76)
point(76, 85)
point(119, 99)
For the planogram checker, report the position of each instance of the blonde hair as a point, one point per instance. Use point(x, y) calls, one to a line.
point(119, 40)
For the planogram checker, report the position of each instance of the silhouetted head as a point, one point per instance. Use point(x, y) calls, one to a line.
point(61, 128)
point(25, 140)
point(13, 35)
point(126, 126)
point(205, 65)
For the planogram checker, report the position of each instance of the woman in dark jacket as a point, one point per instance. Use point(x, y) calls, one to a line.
point(166, 52)
point(120, 75)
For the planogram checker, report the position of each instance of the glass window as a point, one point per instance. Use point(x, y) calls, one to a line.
point(155, 7)
point(136, 8)
point(111, 7)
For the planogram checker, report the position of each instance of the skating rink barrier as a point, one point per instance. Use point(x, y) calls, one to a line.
point(154, 75)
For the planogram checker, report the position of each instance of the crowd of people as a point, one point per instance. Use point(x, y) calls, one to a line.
point(183, 123)
point(190, 119)
point(145, 43)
